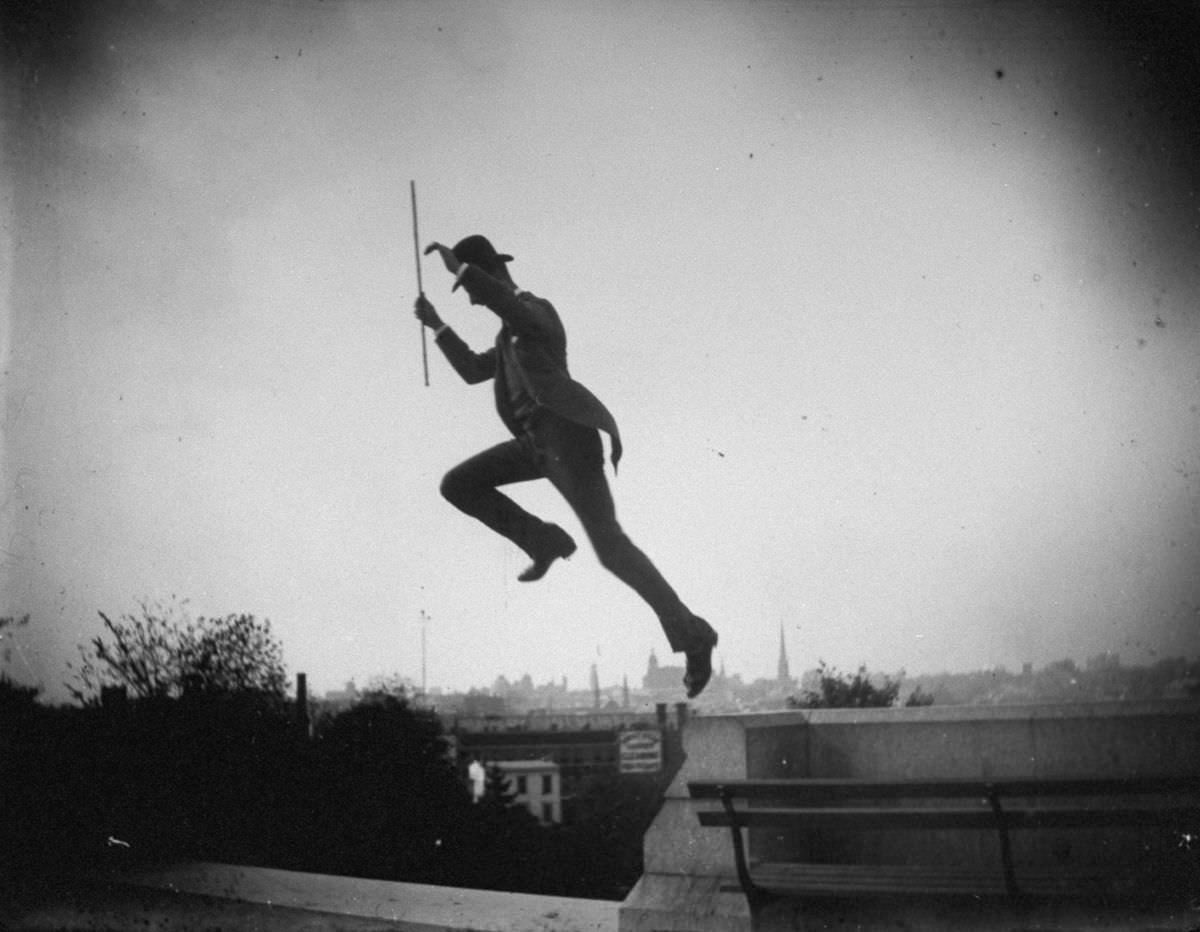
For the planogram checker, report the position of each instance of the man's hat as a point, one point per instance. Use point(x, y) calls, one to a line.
point(478, 250)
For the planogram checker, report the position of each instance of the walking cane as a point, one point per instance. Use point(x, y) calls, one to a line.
point(412, 188)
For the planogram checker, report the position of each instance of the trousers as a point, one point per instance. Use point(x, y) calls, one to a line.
point(571, 456)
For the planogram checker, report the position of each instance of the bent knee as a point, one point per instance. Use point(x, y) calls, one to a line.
point(454, 487)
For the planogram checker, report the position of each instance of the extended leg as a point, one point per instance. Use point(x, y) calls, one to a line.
point(572, 457)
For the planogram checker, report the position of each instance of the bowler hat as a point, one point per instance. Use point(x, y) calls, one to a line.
point(478, 250)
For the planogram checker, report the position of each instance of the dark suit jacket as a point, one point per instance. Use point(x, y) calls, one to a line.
point(539, 343)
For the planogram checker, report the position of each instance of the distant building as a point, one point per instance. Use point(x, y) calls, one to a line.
point(476, 703)
point(579, 754)
point(340, 698)
point(537, 785)
point(784, 674)
point(1102, 662)
point(662, 679)
point(585, 747)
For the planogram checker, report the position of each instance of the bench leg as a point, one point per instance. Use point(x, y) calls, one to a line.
point(1006, 860)
point(756, 896)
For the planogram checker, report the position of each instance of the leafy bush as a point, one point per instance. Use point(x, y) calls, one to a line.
point(838, 690)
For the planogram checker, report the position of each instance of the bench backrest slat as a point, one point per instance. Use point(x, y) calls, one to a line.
point(831, 790)
point(1182, 818)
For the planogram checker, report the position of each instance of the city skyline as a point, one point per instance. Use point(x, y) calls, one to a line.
point(633, 682)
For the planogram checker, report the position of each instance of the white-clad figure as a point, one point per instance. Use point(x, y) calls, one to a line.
point(477, 774)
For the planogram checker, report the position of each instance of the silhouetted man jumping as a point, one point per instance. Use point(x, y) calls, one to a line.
point(556, 423)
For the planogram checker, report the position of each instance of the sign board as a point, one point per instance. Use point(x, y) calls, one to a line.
point(640, 751)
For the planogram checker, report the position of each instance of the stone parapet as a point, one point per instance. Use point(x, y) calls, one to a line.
point(402, 906)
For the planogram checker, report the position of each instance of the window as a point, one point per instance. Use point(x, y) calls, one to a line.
point(547, 812)
point(521, 788)
point(547, 784)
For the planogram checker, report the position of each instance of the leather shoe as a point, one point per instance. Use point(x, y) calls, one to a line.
point(561, 544)
point(699, 665)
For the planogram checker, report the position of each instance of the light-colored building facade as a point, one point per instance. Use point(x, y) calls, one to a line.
point(537, 785)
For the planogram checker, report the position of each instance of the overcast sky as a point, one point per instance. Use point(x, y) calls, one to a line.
point(895, 303)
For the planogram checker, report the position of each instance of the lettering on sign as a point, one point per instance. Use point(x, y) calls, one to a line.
point(640, 751)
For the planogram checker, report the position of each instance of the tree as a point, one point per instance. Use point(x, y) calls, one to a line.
point(838, 690)
point(497, 790)
point(918, 697)
point(601, 849)
point(391, 684)
point(387, 798)
point(234, 654)
point(10, 621)
point(506, 847)
point(164, 653)
point(13, 695)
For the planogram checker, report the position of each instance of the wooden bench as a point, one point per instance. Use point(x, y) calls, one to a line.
point(999, 805)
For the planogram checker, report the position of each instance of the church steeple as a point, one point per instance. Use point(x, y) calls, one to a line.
point(784, 675)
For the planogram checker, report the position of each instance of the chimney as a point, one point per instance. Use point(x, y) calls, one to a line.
point(302, 720)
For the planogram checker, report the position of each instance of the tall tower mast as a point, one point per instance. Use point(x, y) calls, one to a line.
point(785, 675)
point(424, 619)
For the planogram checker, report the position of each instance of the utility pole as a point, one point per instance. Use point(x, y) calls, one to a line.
point(424, 619)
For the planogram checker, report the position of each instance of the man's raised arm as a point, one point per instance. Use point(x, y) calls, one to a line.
point(494, 294)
